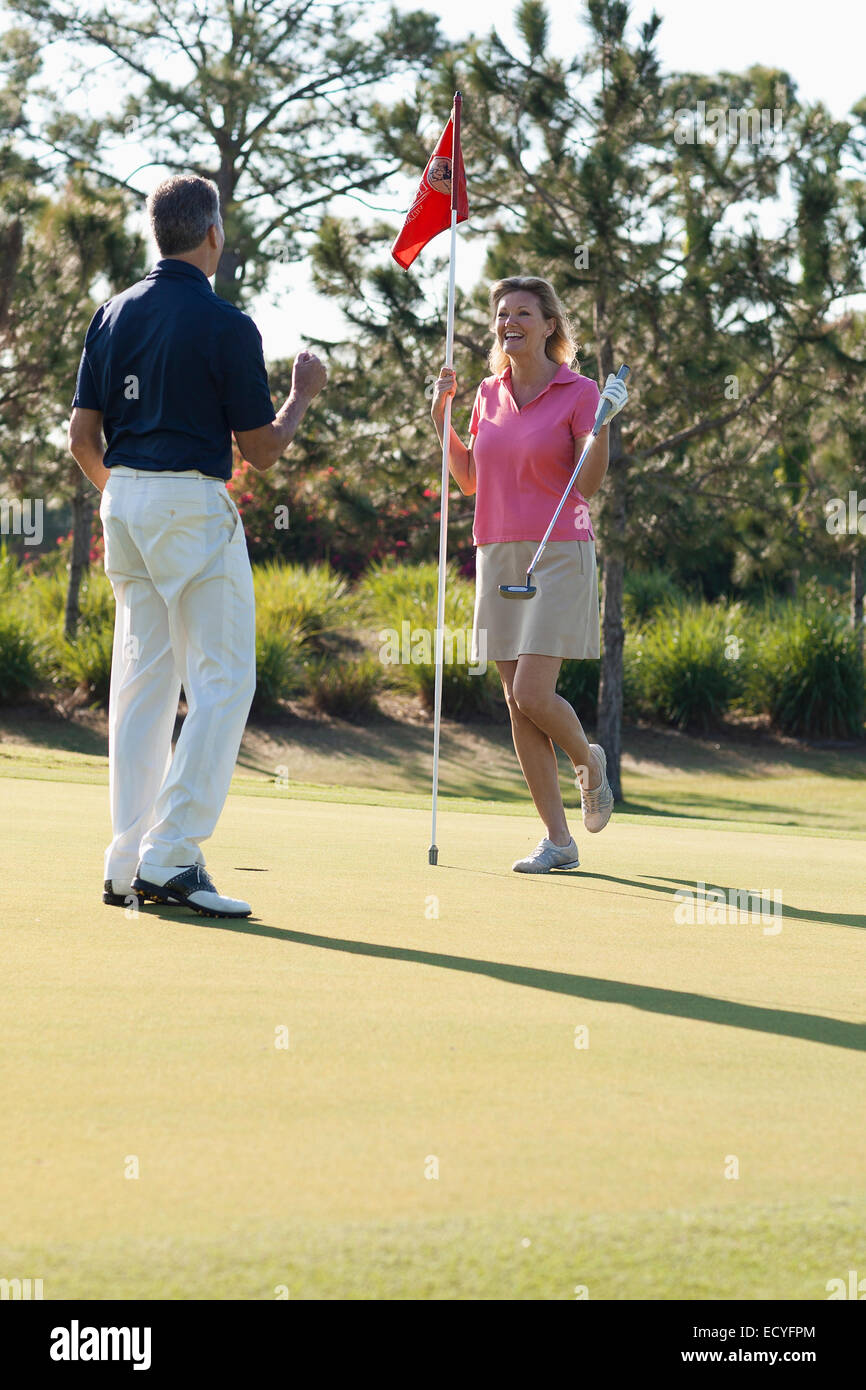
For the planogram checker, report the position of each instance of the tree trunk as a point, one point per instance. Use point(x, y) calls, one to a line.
point(11, 245)
point(857, 599)
point(613, 631)
point(615, 514)
point(82, 523)
point(227, 281)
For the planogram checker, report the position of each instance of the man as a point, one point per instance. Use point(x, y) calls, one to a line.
point(169, 371)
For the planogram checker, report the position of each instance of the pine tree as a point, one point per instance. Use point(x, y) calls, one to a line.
point(52, 248)
point(268, 100)
point(598, 173)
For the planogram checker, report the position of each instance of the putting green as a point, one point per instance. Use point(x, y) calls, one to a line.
point(432, 1017)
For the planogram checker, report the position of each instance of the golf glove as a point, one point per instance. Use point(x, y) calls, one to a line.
point(616, 393)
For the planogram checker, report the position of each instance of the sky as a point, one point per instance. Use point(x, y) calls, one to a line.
point(820, 46)
point(824, 57)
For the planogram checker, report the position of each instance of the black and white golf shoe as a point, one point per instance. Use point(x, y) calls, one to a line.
point(114, 896)
point(188, 885)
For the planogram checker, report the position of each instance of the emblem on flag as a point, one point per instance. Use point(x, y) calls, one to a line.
point(430, 213)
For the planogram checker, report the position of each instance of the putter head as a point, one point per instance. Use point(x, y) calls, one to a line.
point(517, 590)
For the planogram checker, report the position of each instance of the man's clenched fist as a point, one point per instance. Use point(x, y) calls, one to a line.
point(309, 375)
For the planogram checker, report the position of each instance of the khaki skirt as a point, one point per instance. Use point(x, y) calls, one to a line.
point(560, 620)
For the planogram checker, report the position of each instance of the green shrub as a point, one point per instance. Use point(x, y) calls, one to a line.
point(298, 614)
point(43, 599)
point(310, 603)
point(388, 592)
point(281, 668)
point(462, 693)
point(815, 592)
point(19, 659)
point(400, 602)
point(10, 575)
point(806, 673)
point(648, 592)
point(681, 673)
point(631, 702)
point(348, 688)
point(86, 661)
point(578, 684)
point(95, 600)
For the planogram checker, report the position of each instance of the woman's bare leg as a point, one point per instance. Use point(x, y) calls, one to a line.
point(534, 687)
point(537, 757)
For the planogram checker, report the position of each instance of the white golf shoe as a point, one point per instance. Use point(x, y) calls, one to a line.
point(547, 856)
point(187, 885)
point(596, 804)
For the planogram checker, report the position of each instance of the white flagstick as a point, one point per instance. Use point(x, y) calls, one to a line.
point(433, 852)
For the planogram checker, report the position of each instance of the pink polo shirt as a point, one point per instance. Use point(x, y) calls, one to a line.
point(524, 458)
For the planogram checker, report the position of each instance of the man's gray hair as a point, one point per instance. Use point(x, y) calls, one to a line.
point(181, 210)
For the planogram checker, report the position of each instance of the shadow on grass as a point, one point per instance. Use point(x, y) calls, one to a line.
point(832, 1032)
point(405, 748)
point(745, 752)
point(803, 914)
point(45, 729)
point(699, 806)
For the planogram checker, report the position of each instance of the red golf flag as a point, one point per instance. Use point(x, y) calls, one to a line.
point(430, 213)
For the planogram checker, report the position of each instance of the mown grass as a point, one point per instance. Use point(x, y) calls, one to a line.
point(775, 1252)
point(430, 1013)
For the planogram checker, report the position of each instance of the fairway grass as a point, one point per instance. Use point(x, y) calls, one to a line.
point(734, 781)
point(752, 1253)
point(431, 1129)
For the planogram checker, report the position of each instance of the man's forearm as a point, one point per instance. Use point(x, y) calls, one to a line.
point(89, 459)
point(285, 426)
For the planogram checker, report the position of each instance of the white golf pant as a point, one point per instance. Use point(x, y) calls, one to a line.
point(177, 561)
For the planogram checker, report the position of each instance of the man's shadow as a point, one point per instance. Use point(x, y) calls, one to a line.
point(831, 1032)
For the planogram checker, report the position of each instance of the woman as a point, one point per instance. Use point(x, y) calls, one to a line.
point(529, 424)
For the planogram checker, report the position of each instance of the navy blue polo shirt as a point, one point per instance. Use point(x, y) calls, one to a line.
point(174, 369)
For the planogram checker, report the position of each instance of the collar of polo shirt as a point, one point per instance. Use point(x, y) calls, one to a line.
point(563, 374)
point(170, 265)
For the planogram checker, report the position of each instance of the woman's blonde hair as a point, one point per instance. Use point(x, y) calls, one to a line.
point(560, 346)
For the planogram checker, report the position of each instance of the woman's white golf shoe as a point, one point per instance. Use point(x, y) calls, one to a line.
point(547, 856)
point(596, 804)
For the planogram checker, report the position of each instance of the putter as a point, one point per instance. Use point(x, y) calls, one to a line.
point(528, 590)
